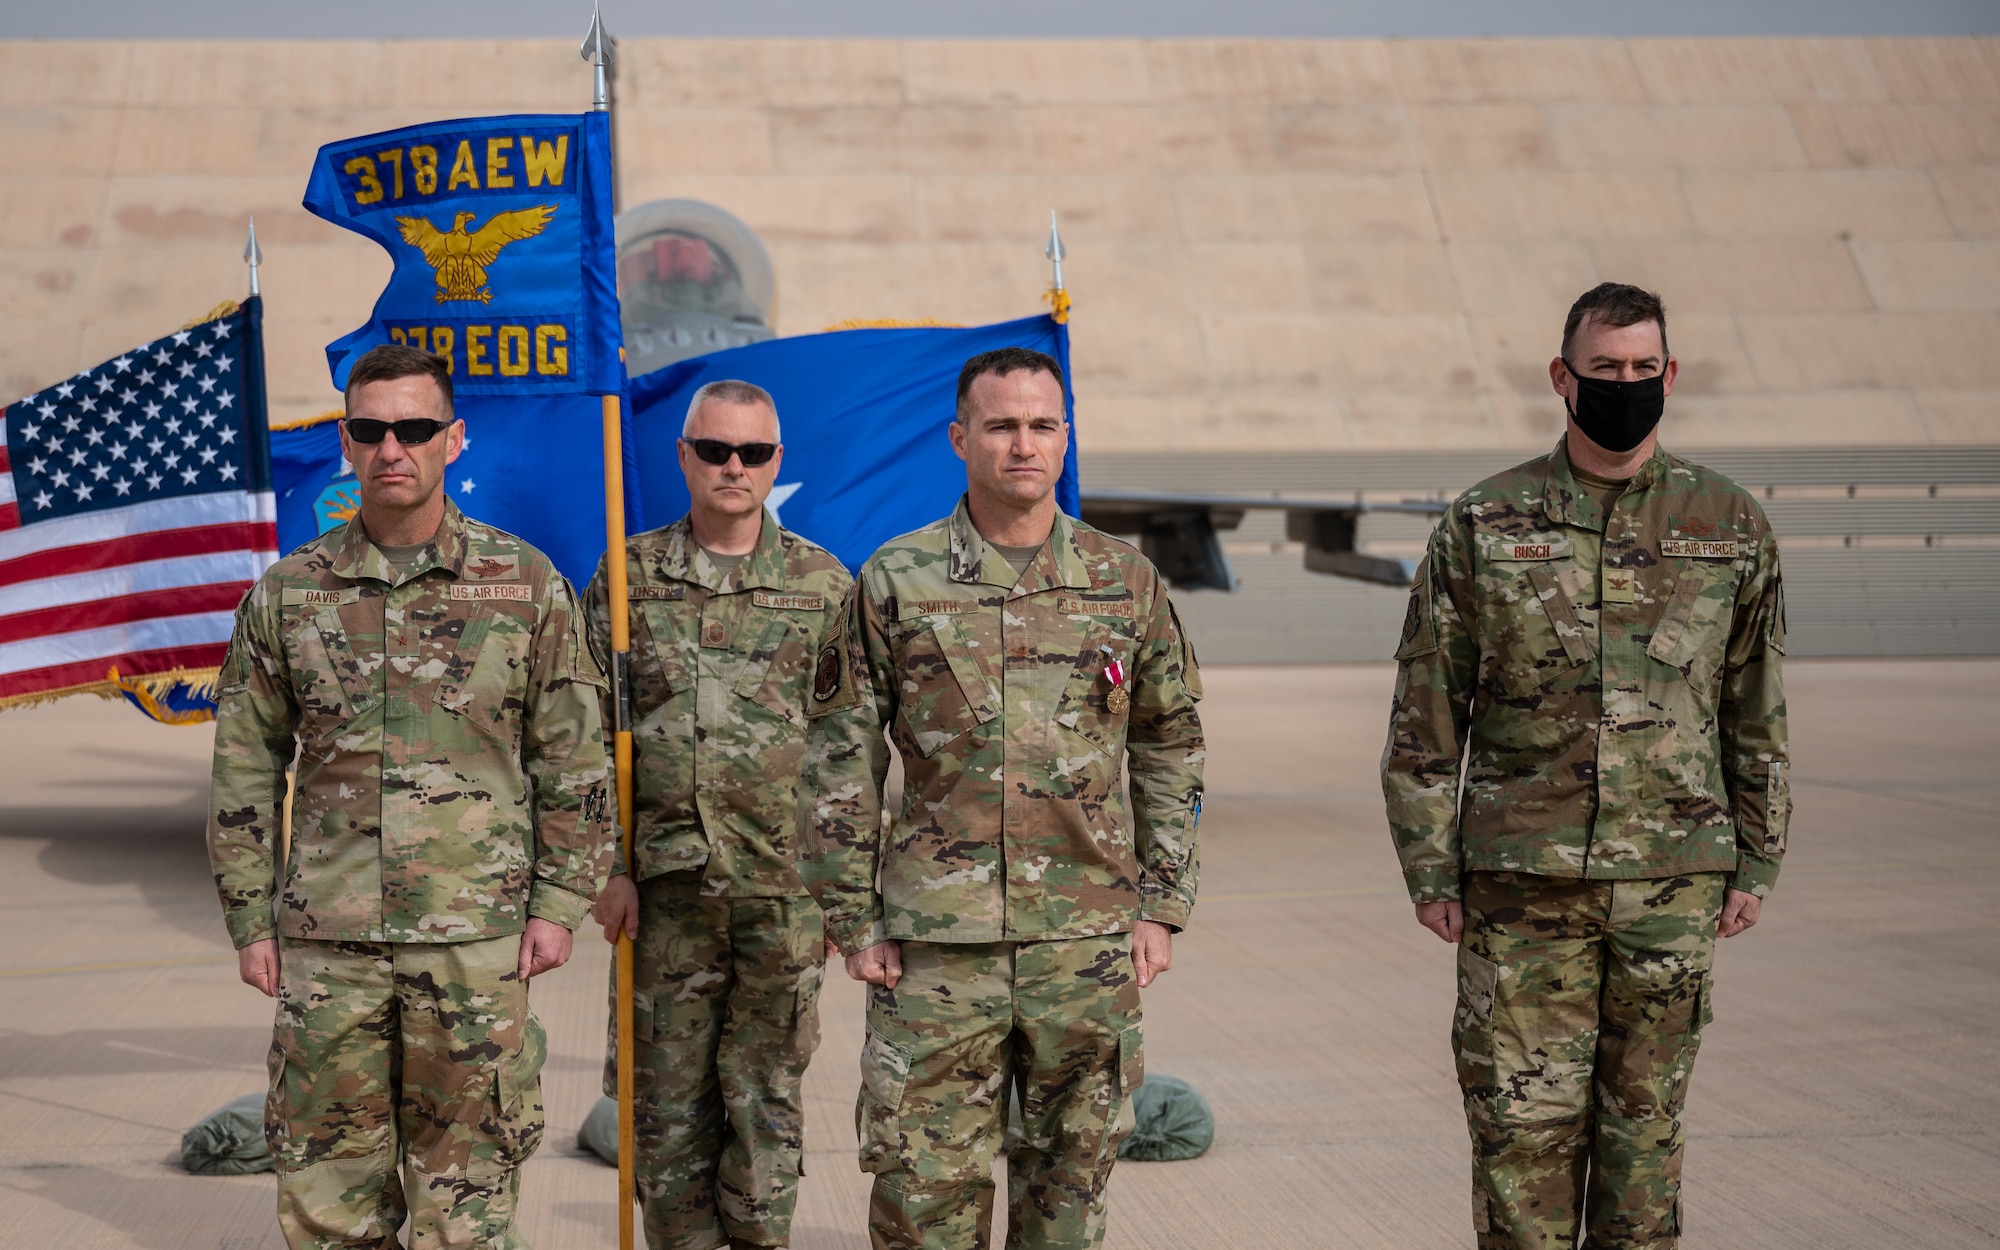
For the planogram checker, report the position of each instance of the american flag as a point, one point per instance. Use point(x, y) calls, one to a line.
point(135, 510)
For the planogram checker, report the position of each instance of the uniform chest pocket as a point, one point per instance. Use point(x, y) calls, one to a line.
point(1537, 637)
point(486, 677)
point(948, 684)
point(659, 675)
point(1088, 706)
point(332, 688)
point(1693, 632)
point(773, 670)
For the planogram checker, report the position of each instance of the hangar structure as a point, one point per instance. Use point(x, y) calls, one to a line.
point(1304, 271)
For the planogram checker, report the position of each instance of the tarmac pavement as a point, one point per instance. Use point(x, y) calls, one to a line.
point(1844, 1097)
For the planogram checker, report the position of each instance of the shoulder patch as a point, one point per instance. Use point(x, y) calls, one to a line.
point(1420, 632)
point(826, 674)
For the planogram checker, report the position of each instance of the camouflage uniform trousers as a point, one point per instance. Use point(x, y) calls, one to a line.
point(725, 1021)
point(1053, 1024)
point(405, 1079)
point(1580, 1008)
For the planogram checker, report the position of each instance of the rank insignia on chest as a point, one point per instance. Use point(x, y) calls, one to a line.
point(1621, 586)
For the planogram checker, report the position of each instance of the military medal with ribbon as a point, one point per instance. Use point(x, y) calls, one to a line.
point(1117, 699)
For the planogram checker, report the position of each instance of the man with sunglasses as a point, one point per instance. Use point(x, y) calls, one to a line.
point(449, 829)
point(1006, 918)
point(727, 613)
point(1586, 783)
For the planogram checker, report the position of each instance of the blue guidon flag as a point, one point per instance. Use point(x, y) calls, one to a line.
point(135, 510)
point(501, 233)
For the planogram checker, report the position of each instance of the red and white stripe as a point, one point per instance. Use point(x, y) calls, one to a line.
point(147, 588)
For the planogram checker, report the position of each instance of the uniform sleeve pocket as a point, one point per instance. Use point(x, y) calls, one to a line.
point(1777, 807)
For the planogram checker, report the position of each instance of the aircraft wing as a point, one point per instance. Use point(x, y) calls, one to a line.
point(1178, 533)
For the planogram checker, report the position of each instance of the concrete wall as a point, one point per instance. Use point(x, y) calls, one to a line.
point(1274, 245)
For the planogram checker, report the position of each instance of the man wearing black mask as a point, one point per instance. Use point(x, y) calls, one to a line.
point(1586, 783)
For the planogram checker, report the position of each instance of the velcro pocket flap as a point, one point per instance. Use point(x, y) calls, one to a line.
point(1131, 1059)
point(520, 1071)
point(1579, 645)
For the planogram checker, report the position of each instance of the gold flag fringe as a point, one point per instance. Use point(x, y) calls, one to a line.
point(318, 418)
point(1058, 301)
point(892, 323)
point(147, 690)
point(217, 313)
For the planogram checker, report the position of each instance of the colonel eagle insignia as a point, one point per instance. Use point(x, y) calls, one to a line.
point(461, 258)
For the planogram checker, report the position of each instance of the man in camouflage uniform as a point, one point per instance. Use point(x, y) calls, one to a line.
point(1017, 658)
point(448, 831)
point(1605, 625)
point(728, 613)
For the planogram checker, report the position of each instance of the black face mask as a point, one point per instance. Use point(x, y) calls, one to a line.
point(1617, 416)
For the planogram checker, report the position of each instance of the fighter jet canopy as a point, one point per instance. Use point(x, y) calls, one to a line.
point(692, 279)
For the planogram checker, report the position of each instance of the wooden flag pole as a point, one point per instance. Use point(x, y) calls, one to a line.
point(599, 50)
point(621, 754)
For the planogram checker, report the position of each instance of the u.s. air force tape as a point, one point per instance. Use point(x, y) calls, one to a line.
point(493, 590)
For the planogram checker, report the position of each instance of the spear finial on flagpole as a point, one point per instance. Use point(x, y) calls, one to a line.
point(600, 50)
point(253, 255)
point(1057, 297)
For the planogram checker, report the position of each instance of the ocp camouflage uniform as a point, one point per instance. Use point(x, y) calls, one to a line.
point(1010, 875)
point(726, 967)
point(1618, 678)
point(451, 784)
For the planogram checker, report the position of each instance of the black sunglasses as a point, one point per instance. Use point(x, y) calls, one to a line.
point(715, 451)
point(410, 433)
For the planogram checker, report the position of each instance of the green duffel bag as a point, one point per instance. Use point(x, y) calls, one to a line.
point(1174, 1122)
point(228, 1142)
point(599, 1134)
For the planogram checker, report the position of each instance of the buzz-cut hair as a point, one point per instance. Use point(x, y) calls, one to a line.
point(1002, 361)
point(1615, 304)
point(389, 361)
point(734, 391)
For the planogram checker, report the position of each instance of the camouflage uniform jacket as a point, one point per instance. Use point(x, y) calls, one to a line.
point(996, 694)
point(451, 773)
point(721, 666)
point(1619, 680)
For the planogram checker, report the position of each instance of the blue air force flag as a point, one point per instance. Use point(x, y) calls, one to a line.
point(863, 414)
point(501, 233)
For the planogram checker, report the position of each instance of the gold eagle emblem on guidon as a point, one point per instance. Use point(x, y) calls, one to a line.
point(460, 258)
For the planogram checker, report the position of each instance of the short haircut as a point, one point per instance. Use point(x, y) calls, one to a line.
point(734, 391)
point(1615, 304)
point(1001, 362)
point(394, 360)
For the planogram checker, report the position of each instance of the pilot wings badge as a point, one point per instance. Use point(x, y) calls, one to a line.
point(460, 258)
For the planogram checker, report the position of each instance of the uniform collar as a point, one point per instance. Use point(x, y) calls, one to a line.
point(1566, 503)
point(974, 560)
point(683, 560)
point(357, 557)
